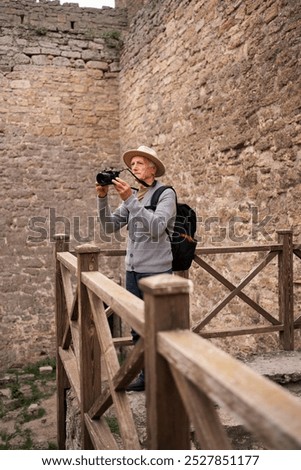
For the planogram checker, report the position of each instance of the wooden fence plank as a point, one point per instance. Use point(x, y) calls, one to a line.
point(131, 366)
point(120, 399)
point(90, 354)
point(237, 249)
point(166, 307)
point(125, 304)
point(61, 321)
point(109, 311)
point(269, 412)
point(240, 331)
point(234, 292)
point(68, 291)
point(112, 252)
point(69, 261)
point(76, 341)
point(286, 292)
point(100, 433)
point(67, 339)
point(297, 322)
point(101, 404)
point(69, 360)
point(123, 341)
point(209, 430)
point(70, 303)
point(231, 286)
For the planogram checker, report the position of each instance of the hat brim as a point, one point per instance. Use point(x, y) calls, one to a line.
point(127, 157)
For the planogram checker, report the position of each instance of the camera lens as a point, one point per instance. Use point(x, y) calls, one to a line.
point(105, 177)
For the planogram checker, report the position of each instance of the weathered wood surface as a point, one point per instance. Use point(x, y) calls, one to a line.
point(100, 434)
point(285, 324)
point(166, 307)
point(185, 374)
point(124, 304)
point(131, 366)
point(209, 430)
point(120, 399)
point(70, 364)
point(219, 277)
point(237, 249)
point(267, 410)
point(61, 322)
point(286, 294)
point(239, 331)
point(69, 261)
point(89, 349)
point(235, 291)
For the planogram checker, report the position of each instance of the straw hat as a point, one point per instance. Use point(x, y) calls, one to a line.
point(146, 152)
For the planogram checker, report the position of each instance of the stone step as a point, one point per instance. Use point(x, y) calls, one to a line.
point(284, 368)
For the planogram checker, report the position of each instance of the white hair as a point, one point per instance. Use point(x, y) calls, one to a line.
point(151, 164)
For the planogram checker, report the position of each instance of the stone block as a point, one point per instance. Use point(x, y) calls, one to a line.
point(46, 369)
point(20, 84)
point(93, 64)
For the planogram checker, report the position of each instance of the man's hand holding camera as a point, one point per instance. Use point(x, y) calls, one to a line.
point(101, 191)
point(122, 187)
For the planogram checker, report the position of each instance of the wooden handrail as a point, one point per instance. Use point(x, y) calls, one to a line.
point(237, 249)
point(267, 410)
point(185, 374)
point(124, 304)
point(69, 261)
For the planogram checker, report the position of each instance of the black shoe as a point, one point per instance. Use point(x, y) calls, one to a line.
point(137, 386)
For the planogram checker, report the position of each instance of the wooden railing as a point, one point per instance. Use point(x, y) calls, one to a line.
point(186, 376)
point(285, 324)
point(282, 321)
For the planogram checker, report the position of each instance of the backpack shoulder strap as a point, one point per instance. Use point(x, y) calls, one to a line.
point(156, 196)
point(155, 199)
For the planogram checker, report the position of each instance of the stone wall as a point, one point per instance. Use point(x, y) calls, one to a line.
point(132, 6)
point(214, 86)
point(69, 17)
point(59, 126)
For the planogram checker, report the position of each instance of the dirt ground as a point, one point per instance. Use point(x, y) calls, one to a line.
point(27, 418)
point(43, 430)
point(37, 430)
point(29, 423)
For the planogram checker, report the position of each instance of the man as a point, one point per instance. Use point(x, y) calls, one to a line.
point(148, 246)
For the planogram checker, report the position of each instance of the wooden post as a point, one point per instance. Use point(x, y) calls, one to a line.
point(286, 293)
point(62, 383)
point(90, 355)
point(166, 308)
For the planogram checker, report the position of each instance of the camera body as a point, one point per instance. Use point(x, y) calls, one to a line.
point(105, 177)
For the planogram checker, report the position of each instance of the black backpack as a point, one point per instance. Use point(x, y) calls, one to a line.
point(182, 241)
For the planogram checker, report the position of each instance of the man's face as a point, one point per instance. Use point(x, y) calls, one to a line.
point(143, 169)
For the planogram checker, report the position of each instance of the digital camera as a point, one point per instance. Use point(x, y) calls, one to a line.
point(105, 177)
